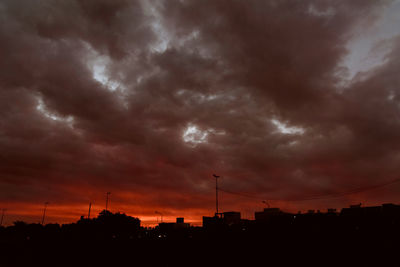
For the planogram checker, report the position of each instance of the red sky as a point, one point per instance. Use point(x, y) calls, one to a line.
point(147, 99)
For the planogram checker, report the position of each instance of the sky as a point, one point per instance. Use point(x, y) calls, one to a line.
point(294, 103)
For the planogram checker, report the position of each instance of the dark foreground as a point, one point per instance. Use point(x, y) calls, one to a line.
point(118, 240)
point(267, 248)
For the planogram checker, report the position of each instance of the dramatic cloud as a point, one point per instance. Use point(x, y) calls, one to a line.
point(284, 99)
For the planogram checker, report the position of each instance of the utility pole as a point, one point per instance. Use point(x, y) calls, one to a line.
point(108, 194)
point(216, 193)
point(44, 211)
point(2, 216)
point(90, 206)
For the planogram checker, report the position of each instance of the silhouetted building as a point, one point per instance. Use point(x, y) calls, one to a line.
point(231, 217)
point(372, 211)
point(273, 217)
point(222, 219)
point(178, 225)
point(211, 222)
point(332, 211)
point(391, 209)
point(353, 211)
point(267, 214)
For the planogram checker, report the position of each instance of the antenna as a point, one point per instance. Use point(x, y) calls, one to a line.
point(216, 192)
point(2, 216)
point(44, 211)
point(90, 206)
point(108, 194)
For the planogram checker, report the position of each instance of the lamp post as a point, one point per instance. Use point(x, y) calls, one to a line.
point(44, 211)
point(90, 207)
point(216, 193)
point(108, 194)
point(2, 216)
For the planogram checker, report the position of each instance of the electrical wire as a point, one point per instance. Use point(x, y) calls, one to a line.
point(316, 197)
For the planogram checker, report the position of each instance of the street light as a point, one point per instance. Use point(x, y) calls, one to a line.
point(2, 216)
point(216, 192)
point(108, 195)
point(44, 211)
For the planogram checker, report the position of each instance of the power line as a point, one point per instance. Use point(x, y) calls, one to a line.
point(240, 194)
point(316, 197)
point(354, 191)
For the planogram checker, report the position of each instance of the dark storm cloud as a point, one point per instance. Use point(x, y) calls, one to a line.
point(97, 95)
